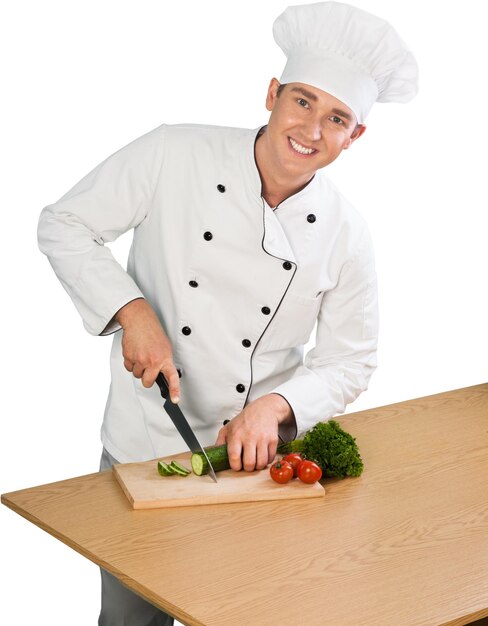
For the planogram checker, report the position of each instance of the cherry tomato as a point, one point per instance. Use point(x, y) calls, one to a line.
point(309, 472)
point(281, 472)
point(294, 459)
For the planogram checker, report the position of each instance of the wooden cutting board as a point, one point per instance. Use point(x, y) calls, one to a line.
point(146, 489)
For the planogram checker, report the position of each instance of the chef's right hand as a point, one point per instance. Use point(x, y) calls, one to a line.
point(146, 347)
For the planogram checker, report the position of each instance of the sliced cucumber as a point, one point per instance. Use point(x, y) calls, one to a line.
point(164, 469)
point(179, 469)
point(217, 455)
point(172, 469)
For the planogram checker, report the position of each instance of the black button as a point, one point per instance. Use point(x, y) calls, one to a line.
point(221, 188)
point(287, 265)
point(193, 283)
point(240, 388)
point(207, 236)
point(246, 343)
point(311, 218)
point(266, 310)
point(186, 330)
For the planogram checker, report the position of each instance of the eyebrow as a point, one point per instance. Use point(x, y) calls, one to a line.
point(313, 97)
point(304, 92)
point(342, 113)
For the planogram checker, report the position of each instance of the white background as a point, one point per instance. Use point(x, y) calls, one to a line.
point(82, 79)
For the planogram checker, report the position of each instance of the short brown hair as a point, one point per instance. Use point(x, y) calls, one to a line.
point(280, 89)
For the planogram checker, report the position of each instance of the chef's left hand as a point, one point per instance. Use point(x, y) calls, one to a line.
point(252, 436)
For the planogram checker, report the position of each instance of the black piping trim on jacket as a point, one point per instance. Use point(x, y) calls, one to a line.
point(277, 308)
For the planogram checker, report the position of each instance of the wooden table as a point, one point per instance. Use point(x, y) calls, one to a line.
point(406, 544)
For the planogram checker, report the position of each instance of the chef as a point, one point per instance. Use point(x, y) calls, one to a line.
point(240, 247)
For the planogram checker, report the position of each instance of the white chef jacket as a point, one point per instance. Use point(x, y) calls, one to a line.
point(238, 286)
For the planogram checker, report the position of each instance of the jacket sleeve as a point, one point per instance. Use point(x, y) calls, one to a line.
point(113, 198)
point(343, 359)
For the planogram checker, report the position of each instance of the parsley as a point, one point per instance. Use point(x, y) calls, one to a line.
point(329, 446)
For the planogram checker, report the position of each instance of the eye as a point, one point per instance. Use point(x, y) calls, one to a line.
point(337, 120)
point(302, 102)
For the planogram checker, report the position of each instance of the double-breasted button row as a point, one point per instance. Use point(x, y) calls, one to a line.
point(186, 330)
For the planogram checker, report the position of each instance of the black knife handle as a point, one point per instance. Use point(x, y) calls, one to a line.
point(163, 385)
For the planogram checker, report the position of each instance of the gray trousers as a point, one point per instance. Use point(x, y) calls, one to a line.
point(120, 605)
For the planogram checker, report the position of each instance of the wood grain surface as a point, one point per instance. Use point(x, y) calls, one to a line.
point(405, 544)
point(146, 489)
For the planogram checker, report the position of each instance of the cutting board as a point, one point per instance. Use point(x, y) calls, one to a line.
point(146, 489)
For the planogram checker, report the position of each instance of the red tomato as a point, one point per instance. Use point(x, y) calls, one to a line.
point(294, 459)
point(309, 472)
point(281, 472)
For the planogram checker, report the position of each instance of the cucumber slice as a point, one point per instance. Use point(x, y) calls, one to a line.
point(164, 469)
point(217, 455)
point(199, 464)
point(179, 469)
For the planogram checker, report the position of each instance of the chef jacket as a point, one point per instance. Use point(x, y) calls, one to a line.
point(238, 286)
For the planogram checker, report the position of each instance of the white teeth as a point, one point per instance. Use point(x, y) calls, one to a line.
point(301, 149)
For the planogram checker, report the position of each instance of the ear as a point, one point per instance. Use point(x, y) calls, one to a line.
point(271, 95)
point(356, 133)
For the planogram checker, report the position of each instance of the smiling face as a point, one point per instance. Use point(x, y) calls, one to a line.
point(308, 128)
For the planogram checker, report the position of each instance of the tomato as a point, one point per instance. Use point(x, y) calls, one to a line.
point(309, 472)
point(294, 459)
point(281, 472)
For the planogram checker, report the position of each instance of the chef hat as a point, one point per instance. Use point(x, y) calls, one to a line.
point(351, 54)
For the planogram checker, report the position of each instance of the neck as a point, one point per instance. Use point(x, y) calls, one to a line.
point(276, 185)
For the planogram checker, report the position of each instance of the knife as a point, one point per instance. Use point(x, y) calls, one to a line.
point(181, 423)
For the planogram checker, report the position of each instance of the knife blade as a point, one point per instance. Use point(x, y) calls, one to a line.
point(181, 423)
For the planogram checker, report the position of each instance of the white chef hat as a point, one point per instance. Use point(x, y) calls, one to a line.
point(351, 54)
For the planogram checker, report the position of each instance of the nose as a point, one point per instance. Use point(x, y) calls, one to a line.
point(312, 129)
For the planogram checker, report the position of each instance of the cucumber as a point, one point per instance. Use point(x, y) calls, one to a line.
point(172, 468)
point(217, 455)
point(179, 469)
point(164, 469)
